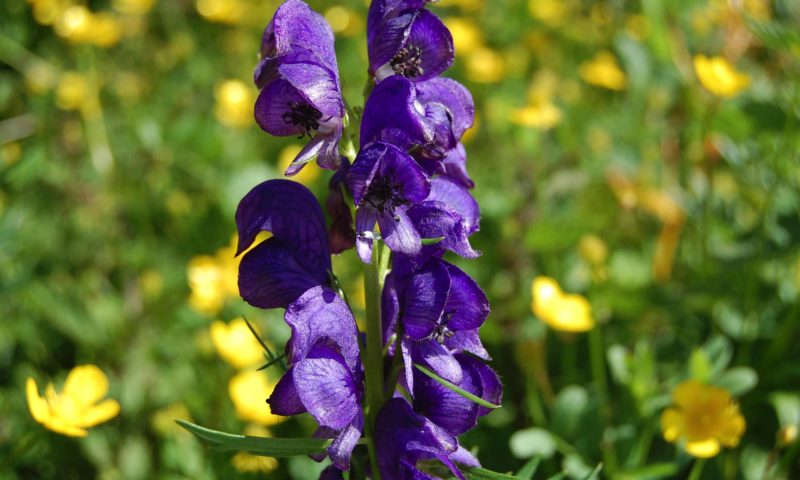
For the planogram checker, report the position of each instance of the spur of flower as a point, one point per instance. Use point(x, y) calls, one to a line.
point(299, 82)
point(77, 407)
point(703, 419)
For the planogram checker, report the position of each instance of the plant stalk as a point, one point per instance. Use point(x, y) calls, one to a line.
point(373, 366)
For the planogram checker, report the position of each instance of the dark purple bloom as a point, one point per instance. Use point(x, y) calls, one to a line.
point(403, 438)
point(385, 181)
point(449, 410)
point(448, 191)
point(296, 258)
point(299, 83)
point(449, 110)
point(405, 39)
point(453, 166)
point(393, 115)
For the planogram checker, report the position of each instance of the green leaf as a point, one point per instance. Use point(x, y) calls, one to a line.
point(483, 474)
point(738, 381)
point(533, 442)
point(529, 469)
point(595, 474)
point(653, 471)
point(270, 447)
point(456, 389)
point(432, 241)
point(699, 366)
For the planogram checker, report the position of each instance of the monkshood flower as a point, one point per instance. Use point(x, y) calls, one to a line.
point(449, 110)
point(299, 82)
point(290, 270)
point(392, 114)
point(385, 181)
point(404, 438)
point(405, 39)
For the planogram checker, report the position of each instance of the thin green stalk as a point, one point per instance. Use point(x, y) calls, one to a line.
point(697, 469)
point(374, 356)
point(597, 359)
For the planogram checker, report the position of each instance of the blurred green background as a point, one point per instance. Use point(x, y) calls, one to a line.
point(608, 155)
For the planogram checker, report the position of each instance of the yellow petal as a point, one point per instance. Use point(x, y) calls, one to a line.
point(703, 449)
point(86, 384)
point(672, 425)
point(59, 425)
point(37, 405)
point(248, 390)
point(546, 293)
point(687, 393)
point(102, 412)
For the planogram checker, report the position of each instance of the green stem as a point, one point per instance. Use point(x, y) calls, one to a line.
point(373, 366)
point(697, 469)
point(597, 359)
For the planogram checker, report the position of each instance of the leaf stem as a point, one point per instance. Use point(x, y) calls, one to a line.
point(373, 366)
point(697, 469)
point(597, 359)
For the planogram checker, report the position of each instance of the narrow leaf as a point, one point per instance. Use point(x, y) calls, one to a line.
point(529, 469)
point(270, 447)
point(595, 474)
point(455, 388)
point(483, 474)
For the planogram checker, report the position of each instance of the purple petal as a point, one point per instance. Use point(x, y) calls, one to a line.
point(454, 97)
point(444, 407)
point(432, 37)
point(392, 114)
point(458, 199)
point(296, 27)
point(342, 447)
point(292, 214)
point(467, 304)
point(399, 233)
point(387, 162)
point(317, 85)
point(462, 456)
point(326, 387)
point(467, 341)
point(455, 167)
point(439, 120)
point(317, 315)
point(365, 224)
point(270, 275)
point(434, 220)
point(423, 300)
point(491, 387)
point(284, 399)
point(438, 359)
point(382, 10)
point(271, 106)
point(390, 307)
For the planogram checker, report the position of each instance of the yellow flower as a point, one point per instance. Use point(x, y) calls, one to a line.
point(466, 34)
point(560, 311)
point(235, 101)
point(603, 71)
point(543, 115)
point(593, 249)
point(133, 7)
point(72, 91)
point(485, 65)
point(76, 408)
point(248, 391)
point(307, 175)
point(223, 11)
point(719, 77)
point(343, 21)
point(79, 25)
point(551, 12)
point(704, 418)
point(205, 281)
point(236, 344)
point(248, 463)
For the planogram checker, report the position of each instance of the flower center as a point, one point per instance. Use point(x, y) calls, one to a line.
point(384, 196)
point(304, 116)
point(441, 332)
point(407, 62)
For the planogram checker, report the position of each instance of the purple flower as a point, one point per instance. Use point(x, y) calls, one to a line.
point(393, 115)
point(405, 39)
point(449, 110)
point(403, 438)
point(296, 258)
point(385, 181)
point(453, 166)
point(299, 83)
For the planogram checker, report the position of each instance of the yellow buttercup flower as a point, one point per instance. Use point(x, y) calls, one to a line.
point(560, 311)
point(719, 77)
point(703, 418)
point(466, 34)
point(234, 106)
point(248, 391)
point(485, 65)
point(223, 11)
point(541, 115)
point(236, 344)
point(76, 407)
point(603, 71)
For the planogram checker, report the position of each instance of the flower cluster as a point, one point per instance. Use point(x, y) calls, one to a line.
point(409, 180)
